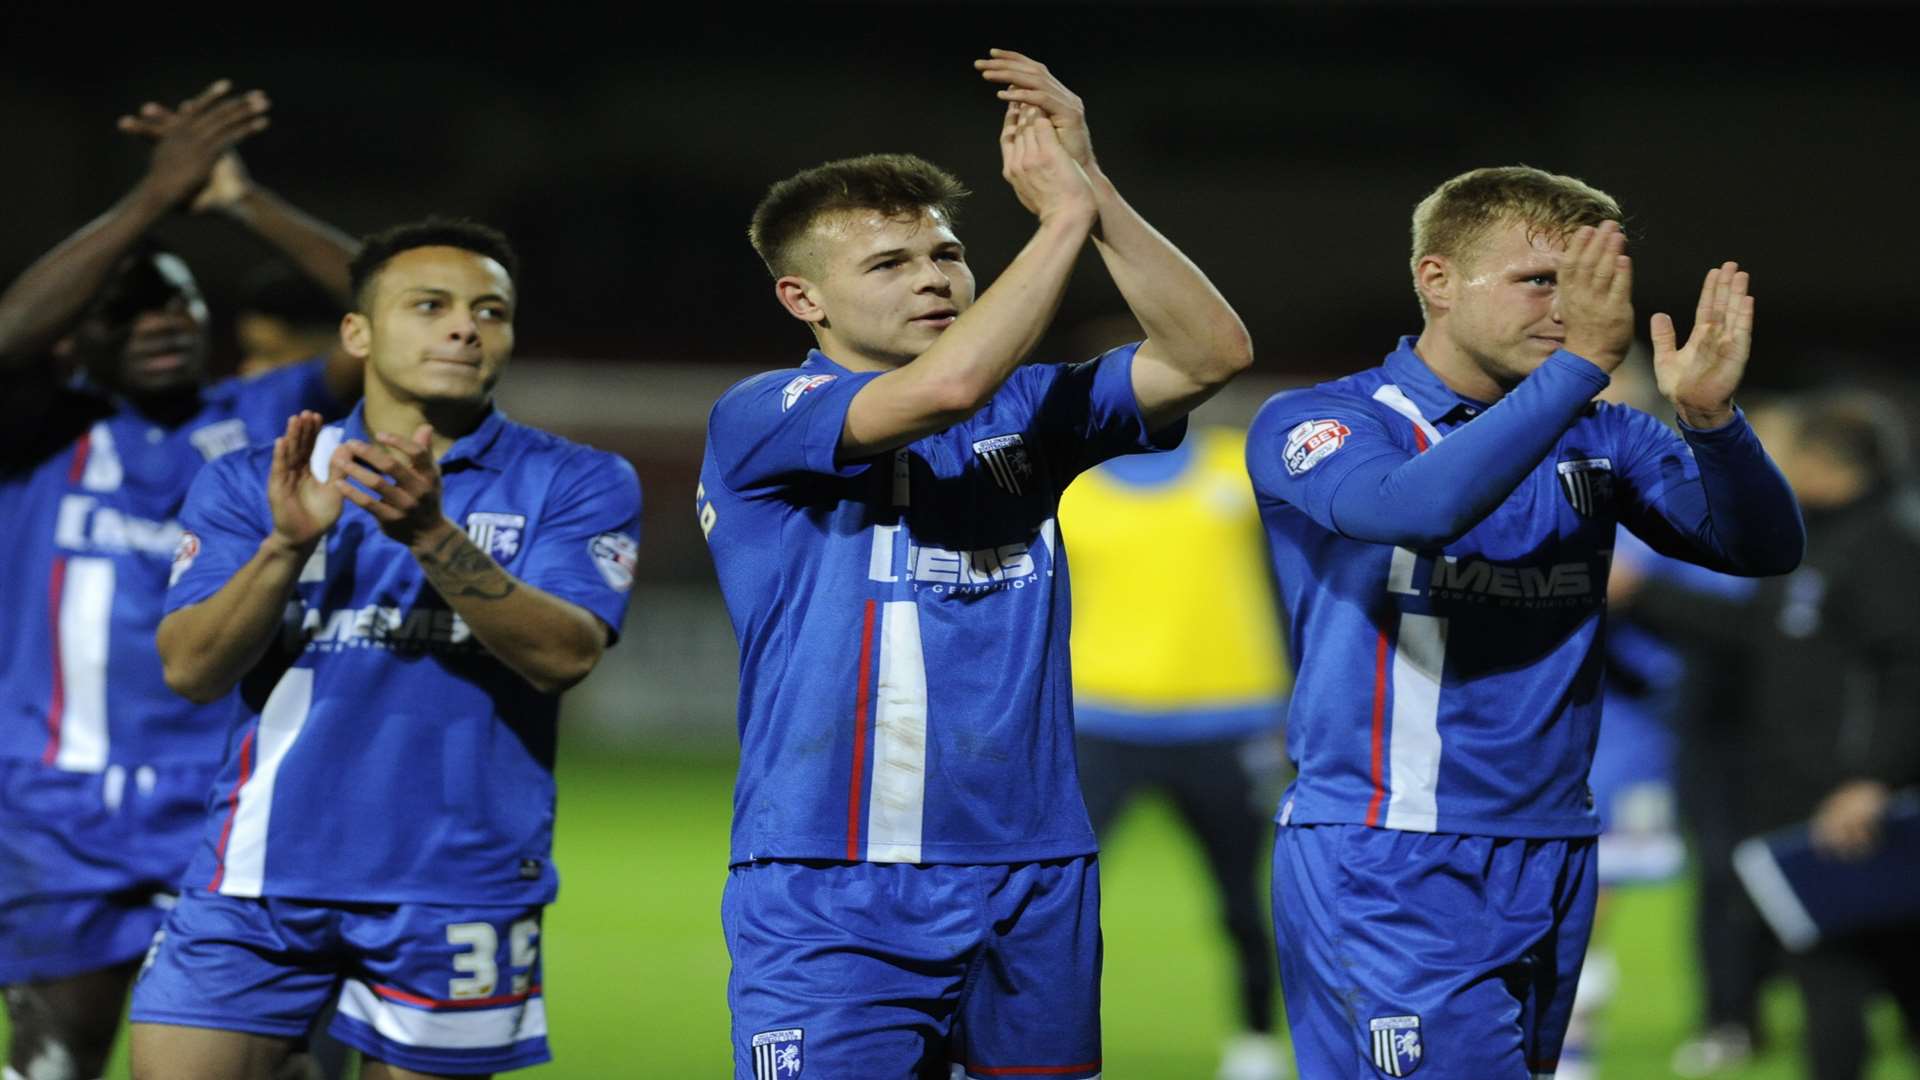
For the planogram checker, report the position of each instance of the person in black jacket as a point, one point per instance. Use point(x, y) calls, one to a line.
point(1832, 703)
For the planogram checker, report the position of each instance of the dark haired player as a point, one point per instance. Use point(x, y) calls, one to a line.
point(910, 850)
point(105, 770)
point(382, 828)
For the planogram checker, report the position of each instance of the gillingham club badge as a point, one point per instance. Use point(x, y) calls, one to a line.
point(1587, 484)
point(776, 1054)
point(1397, 1049)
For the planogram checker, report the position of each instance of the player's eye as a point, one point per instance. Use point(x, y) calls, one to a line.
point(427, 306)
point(886, 264)
point(492, 314)
point(1541, 281)
point(948, 256)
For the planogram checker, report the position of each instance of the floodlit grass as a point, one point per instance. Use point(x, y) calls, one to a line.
point(636, 970)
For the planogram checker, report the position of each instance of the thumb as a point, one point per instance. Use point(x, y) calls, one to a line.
point(1662, 332)
point(423, 437)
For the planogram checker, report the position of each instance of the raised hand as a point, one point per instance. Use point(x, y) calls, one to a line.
point(1700, 377)
point(1044, 176)
point(193, 161)
point(304, 507)
point(403, 478)
point(1028, 82)
point(1595, 295)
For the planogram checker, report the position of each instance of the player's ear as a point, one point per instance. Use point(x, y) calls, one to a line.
point(796, 294)
point(356, 335)
point(1433, 275)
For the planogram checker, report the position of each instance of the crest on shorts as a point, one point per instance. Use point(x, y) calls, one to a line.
point(1397, 1049)
point(1005, 456)
point(1312, 442)
point(776, 1054)
point(1587, 484)
point(496, 534)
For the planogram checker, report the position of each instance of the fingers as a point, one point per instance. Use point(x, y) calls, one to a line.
point(1621, 287)
point(215, 90)
point(1703, 311)
point(1661, 330)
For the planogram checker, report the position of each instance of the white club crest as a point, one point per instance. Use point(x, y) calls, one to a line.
point(497, 534)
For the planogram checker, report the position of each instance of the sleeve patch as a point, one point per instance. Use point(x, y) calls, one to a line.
point(615, 555)
point(183, 556)
point(1312, 442)
point(801, 385)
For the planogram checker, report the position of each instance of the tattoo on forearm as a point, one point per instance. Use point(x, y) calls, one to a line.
point(457, 568)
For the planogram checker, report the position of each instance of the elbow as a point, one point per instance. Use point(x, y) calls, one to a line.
point(562, 673)
point(1232, 356)
point(193, 685)
point(952, 400)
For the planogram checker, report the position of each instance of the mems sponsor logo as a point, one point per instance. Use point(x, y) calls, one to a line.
point(1564, 584)
point(1017, 565)
point(377, 626)
point(84, 525)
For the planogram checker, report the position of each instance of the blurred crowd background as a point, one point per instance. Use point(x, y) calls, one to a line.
point(1282, 146)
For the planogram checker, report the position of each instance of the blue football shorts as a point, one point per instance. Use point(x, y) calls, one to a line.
point(892, 971)
point(433, 988)
point(1434, 954)
point(89, 862)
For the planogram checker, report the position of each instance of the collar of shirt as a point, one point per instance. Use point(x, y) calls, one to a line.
point(1436, 401)
point(478, 447)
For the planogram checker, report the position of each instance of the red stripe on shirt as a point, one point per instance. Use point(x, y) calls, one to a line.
point(863, 702)
point(57, 695)
point(233, 807)
point(1379, 729)
point(81, 448)
point(394, 993)
point(1030, 1070)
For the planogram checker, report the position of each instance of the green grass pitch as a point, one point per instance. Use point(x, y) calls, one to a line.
point(636, 970)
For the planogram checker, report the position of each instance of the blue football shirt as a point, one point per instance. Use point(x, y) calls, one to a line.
point(96, 519)
point(1457, 688)
point(391, 758)
point(905, 694)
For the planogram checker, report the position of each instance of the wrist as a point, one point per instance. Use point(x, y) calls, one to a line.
point(150, 200)
point(432, 539)
point(1704, 419)
point(1070, 218)
point(279, 548)
point(242, 207)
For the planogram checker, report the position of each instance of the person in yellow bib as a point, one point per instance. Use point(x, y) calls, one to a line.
point(1180, 679)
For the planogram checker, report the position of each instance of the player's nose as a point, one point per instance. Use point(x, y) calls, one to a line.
point(933, 279)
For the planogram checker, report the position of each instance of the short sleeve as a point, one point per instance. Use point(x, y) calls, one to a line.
point(1090, 408)
point(586, 545)
point(225, 518)
point(1303, 444)
point(775, 428)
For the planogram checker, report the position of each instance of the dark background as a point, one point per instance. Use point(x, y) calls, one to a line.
point(1281, 146)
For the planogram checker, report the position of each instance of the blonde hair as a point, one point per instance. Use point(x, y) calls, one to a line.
point(1458, 216)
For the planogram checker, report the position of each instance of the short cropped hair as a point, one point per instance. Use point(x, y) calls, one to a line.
point(890, 183)
point(379, 249)
point(1856, 428)
point(1460, 214)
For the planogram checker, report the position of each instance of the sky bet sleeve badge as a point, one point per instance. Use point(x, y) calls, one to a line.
point(1310, 443)
point(776, 1054)
point(1396, 1044)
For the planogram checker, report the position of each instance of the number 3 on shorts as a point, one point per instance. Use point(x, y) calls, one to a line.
point(480, 975)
